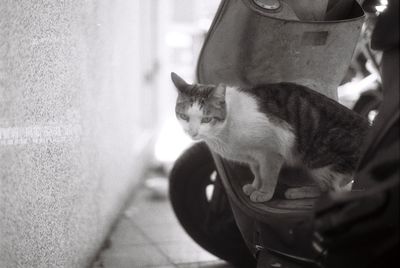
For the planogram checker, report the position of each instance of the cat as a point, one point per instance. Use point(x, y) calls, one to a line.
point(270, 125)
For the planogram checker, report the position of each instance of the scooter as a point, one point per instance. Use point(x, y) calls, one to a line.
point(264, 41)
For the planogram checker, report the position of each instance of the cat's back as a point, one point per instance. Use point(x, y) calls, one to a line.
point(295, 104)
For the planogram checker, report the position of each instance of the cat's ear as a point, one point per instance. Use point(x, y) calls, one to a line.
point(180, 84)
point(220, 91)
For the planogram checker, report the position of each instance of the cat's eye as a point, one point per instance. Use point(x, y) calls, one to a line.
point(184, 117)
point(205, 120)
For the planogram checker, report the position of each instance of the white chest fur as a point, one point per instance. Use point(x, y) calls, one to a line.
point(247, 134)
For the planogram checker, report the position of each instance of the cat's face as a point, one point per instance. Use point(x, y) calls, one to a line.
point(200, 109)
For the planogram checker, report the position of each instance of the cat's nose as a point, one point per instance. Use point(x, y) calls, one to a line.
point(193, 133)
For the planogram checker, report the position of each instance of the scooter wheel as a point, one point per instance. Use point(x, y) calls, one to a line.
point(202, 208)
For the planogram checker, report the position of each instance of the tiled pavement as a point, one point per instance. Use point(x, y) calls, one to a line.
point(149, 235)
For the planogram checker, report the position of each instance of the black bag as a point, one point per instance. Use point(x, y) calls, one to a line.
point(362, 229)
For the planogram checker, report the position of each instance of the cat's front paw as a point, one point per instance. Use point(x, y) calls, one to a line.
point(248, 189)
point(258, 196)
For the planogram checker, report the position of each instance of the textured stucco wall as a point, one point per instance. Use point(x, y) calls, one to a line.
point(70, 138)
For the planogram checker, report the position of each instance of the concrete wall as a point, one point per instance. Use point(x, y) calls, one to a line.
point(72, 126)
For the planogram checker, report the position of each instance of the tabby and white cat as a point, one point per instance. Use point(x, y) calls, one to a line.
point(271, 125)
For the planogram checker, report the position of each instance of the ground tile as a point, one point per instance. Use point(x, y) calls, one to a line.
point(185, 252)
point(127, 233)
point(169, 233)
point(214, 264)
point(134, 257)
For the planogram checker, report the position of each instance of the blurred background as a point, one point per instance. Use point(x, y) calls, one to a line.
point(86, 108)
point(88, 131)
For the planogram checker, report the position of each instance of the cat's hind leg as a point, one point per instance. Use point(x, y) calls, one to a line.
point(270, 167)
point(330, 180)
point(248, 189)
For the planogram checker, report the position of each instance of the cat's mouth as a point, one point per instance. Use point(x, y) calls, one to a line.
point(196, 137)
